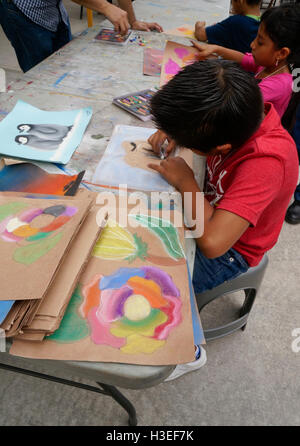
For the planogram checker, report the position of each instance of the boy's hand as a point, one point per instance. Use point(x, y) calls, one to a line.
point(200, 32)
point(145, 26)
point(157, 140)
point(205, 49)
point(175, 171)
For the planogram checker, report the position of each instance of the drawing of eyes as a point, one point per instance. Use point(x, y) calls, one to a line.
point(149, 152)
point(133, 146)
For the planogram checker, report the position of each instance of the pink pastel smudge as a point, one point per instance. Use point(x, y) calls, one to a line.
point(181, 52)
point(172, 67)
point(101, 332)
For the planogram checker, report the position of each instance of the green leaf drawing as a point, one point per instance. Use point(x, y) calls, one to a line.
point(166, 232)
point(72, 327)
point(30, 253)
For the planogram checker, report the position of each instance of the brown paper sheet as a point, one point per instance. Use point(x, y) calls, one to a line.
point(52, 307)
point(132, 304)
point(29, 260)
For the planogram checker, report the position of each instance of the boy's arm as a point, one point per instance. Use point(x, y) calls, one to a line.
point(200, 31)
point(207, 50)
point(222, 229)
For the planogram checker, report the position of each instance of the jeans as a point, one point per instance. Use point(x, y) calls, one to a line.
point(209, 273)
point(32, 43)
point(296, 136)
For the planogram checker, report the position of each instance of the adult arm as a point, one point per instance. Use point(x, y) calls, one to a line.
point(115, 15)
point(126, 5)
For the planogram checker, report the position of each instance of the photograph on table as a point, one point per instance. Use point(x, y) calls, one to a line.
point(35, 235)
point(43, 136)
point(133, 301)
point(176, 57)
point(126, 159)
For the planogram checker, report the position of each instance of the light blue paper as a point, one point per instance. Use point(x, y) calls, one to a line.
point(5, 306)
point(197, 328)
point(52, 136)
point(112, 170)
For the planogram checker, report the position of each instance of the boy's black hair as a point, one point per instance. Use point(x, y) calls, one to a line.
point(282, 24)
point(208, 104)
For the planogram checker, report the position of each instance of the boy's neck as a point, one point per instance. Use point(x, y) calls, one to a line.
point(252, 10)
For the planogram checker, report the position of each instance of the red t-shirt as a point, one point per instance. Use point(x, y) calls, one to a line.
point(256, 182)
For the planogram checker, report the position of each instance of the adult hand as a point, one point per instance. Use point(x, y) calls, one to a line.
point(145, 26)
point(117, 17)
point(157, 139)
point(175, 170)
point(205, 49)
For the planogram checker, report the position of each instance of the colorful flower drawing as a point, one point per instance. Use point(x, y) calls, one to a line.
point(133, 309)
point(16, 228)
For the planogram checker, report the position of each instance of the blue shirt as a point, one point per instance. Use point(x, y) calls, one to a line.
point(236, 32)
point(46, 13)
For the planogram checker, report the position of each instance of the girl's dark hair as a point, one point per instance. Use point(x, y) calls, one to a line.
point(288, 120)
point(207, 104)
point(282, 24)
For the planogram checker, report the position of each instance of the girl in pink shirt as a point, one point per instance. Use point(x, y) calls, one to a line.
point(275, 53)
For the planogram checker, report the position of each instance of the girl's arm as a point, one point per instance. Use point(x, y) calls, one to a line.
point(207, 50)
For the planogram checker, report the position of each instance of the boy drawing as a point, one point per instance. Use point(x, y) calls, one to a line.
point(216, 108)
point(237, 31)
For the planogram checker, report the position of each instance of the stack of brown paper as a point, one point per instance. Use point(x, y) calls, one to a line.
point(50, 313)
point(132, 302)
point(36, 235)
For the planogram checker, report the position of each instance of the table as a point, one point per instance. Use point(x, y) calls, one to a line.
point(88, 73)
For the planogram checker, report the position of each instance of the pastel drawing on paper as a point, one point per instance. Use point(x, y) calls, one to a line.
point(44, 136)
point(16, 227)
point(118, 243)
point(126, 160)
point(133, 309)
point(26, 177)
point(176, 56)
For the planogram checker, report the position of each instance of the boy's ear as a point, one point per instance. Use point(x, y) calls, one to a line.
point(223, 149)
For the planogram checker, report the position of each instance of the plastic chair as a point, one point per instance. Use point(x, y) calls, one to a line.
point(249, 282)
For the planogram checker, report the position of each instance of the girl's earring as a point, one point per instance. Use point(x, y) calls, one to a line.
point(277, 61)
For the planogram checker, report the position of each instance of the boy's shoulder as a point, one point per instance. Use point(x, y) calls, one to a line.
point(239, 19)
point(271, 139)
